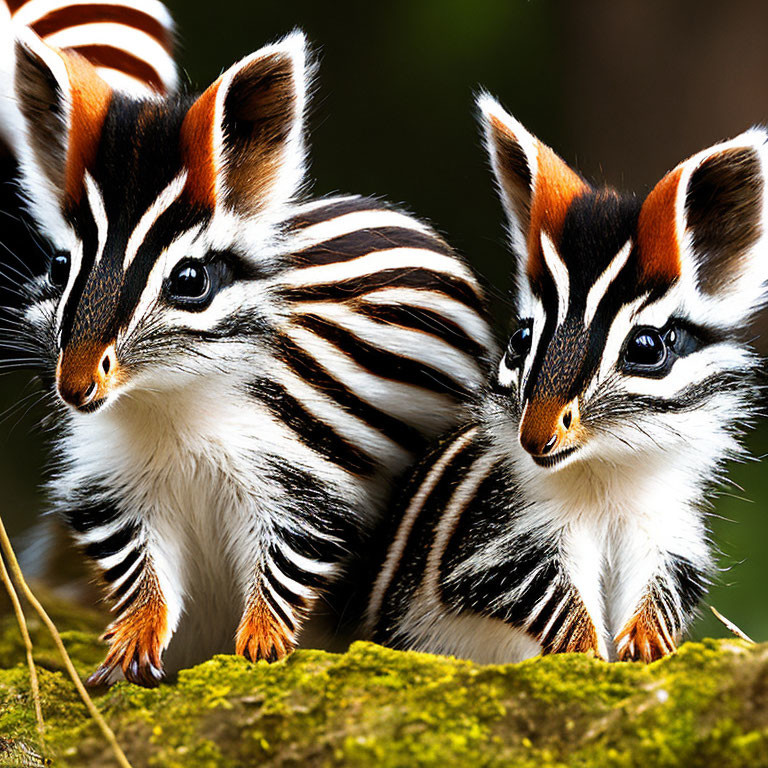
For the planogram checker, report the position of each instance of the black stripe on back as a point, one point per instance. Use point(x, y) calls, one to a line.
point(364, 241)
point(332, 209)
point(309, 369)
point(313, 432)
point(388, 365)
point(417, 278)
point(425, 320)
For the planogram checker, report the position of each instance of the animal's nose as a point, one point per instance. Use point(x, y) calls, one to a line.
point(546, 425)
point(85, 375)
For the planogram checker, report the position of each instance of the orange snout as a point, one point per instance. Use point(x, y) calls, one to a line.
point(548, 426)
point(86, 374)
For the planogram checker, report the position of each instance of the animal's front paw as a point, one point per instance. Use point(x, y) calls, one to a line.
point(644, 638)
point(262, 636)
point(576, 635)
point(135, 652)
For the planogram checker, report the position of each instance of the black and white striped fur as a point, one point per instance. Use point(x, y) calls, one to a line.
point(220, 459)
point(129, 42)
point(569, 513)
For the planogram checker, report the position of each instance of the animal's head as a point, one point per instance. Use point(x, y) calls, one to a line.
point(628, 311)
point(161, 212)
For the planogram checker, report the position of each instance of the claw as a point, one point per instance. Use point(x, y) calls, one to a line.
point(261, 638)
point(645, 638)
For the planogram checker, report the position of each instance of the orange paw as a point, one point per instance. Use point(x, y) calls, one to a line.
point(645, 638)
point(577, 635)
point(136, 645)
point(261, 635)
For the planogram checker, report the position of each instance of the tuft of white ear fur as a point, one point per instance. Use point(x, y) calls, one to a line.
point(513, 154)
point(287, 163)
point(42, 151)
point(721, 217)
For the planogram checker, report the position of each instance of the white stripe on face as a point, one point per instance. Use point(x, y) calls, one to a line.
point(603, 283)
point(538, 318)
point(75, 264)
point(559, 274)
point(99, 213)
point(159, 206)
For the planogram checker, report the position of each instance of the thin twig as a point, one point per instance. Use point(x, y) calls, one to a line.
point(18, 577)
point(33, 681)
point(731, 626)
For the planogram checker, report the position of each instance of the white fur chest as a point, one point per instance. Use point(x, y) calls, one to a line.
point(194, 465)
point(618, 527)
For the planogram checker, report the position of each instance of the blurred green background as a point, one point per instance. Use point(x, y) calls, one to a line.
point(622, 90)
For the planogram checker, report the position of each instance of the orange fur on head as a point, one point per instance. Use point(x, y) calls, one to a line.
point(91, 97)
point(198, 151)
point(657, 232)
point(556, 187)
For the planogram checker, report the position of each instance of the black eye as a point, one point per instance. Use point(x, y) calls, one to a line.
point(519, 346)
point(645, 351)
point(58, 274)
point(190, 284)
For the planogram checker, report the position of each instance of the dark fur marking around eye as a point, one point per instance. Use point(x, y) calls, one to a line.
point(723, 206)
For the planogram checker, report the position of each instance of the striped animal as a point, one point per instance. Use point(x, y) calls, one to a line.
point(244, 372)
point(569, 513)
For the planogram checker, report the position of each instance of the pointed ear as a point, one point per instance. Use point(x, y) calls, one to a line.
point(63, 103)
point(243, 139)
point(536, 187)
point(705, 224)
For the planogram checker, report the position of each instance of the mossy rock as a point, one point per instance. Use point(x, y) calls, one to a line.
point(707, 705)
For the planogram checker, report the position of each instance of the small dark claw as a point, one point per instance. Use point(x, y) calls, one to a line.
point(100, 677)
point(272, 656)
point(146, 674)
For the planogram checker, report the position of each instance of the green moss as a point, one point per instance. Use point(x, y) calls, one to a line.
point(372, 706)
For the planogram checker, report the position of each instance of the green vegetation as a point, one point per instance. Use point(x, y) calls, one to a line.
point(708, 705)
